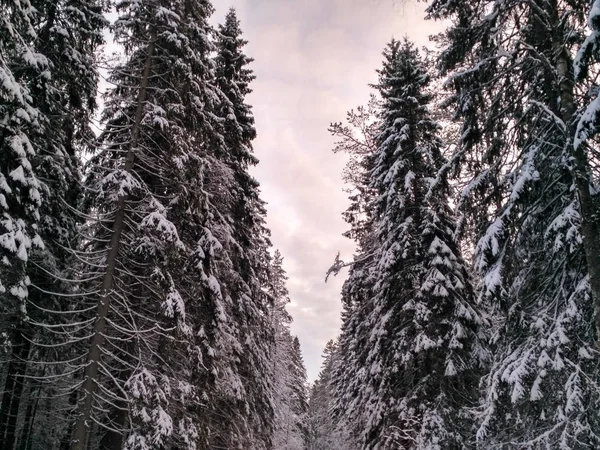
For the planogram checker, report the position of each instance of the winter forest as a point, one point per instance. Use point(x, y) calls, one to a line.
point(143, 305)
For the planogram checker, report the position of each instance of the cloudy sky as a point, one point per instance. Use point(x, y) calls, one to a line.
point(313, 62)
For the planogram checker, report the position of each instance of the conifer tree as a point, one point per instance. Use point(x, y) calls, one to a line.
point(357, 138)
point(148, 265)
point(20, 190)
point(60, 81)
point(411, 345)
point(244, 262)
point(529, 204)
point(289, 394)
point(324, 433)
point(20, 197)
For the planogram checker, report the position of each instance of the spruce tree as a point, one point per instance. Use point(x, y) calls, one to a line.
point(289, 390)
point(20, 198)
point(529, 205)
point(412, 339)
point(358, 138)
point(150, 241)
point(324, 433)
point(243, 265)
point(58, 76)
point(20, 191)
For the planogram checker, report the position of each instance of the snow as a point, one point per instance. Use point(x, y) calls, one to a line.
point(586, 126)
point(573, 393)
point(594, 15)
point(450, 369)
point(215, 287)
point(36, 60)
point(174, 304)
point(536, 391)
point(158, 221)
point(9, 84)
point(527, 173)
point(18, 144)
point(19, 291)
point(4, 185)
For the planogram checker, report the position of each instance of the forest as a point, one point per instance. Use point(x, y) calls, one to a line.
point(143, 305)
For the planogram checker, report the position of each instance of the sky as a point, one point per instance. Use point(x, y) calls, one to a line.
point(313, 61)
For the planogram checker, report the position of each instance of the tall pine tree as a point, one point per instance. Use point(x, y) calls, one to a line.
point(20, 190)
point(148, 264)
point(243, 265)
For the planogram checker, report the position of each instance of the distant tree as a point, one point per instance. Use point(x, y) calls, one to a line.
point(290, 390)
point(323, 431)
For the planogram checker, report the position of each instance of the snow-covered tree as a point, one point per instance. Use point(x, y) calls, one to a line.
point(244, 265)
point(20, 190)
point(20, 196)
point(55, 72)
point(324, 433)
point(289, 394)
point(148, 255)
point(357, 138)
point(530, 205)
point(411, 348)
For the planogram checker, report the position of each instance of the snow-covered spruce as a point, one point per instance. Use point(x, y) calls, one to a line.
point(324, 432)
point(48, 82)
point(20, 193)
point(528, 187)
point(289, 391)
point(412, 343)
point(243, 266)
point(151, 239)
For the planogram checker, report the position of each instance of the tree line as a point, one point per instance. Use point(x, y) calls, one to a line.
point(141, 305)
point(471, 309)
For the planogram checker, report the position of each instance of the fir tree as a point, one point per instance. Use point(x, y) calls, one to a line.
point(61, 82)
point(20, 190)
point(20, 198)
point(243, 265)
point(415, 352)
point(290, 399)
point(529, 204)
point(149, 263)
point(323, 431)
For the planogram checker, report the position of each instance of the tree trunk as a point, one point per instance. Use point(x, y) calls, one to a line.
point(26, 431)
point(119, 415)
point(89, 387)
point(13, 388)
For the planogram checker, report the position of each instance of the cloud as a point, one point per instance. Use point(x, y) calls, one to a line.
point(314, 60)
